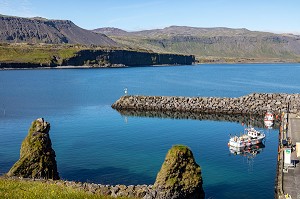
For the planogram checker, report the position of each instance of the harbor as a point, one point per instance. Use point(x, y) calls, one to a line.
point(285, 106)
point(86, 130)
point(288, 174)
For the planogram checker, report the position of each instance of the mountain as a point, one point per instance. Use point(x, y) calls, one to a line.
point(212, 43)
point(111, 31)
point(41, 30)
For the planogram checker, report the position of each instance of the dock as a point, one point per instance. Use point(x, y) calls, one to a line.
point(288, 176)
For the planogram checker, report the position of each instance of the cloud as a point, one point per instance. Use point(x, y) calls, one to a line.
point(22, 8)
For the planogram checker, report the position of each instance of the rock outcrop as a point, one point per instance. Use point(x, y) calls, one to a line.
point(110, 58)
point(37, 158)
point(253, 104)
point(179, 176)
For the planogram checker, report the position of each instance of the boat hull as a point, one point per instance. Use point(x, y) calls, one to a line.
point(238, 143)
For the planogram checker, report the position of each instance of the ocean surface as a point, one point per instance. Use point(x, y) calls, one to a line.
point(95, 143)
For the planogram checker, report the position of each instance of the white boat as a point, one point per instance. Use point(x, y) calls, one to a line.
point(269, 119)
point(268, 124)
point(250, 138)
point(269, 116)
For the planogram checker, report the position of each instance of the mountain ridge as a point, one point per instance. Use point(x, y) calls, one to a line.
point(219, 42)
point(40, 30)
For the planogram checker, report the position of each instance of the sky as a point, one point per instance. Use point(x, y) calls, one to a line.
point(279, 16)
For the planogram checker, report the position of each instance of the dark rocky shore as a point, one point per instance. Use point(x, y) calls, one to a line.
point(106, 58)
point(110, 58)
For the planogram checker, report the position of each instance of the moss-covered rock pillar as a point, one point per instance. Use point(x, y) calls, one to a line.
point(37, 158)
point(179, 176)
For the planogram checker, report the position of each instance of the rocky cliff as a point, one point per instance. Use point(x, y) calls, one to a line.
point(40, 30)
point(179, 176)
point(110, 58)
point(37, 158)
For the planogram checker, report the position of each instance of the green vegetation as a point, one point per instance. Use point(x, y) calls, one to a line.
point(179, 148)
point(37, 158)
point(179, 169)
point(36, 54)
point(14, 188)
point(49, 54)
point(215, 44)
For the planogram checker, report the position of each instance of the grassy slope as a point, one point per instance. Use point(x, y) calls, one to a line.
point(11, 188)
point(48, 53)
point(23, 53)
point(264, 51)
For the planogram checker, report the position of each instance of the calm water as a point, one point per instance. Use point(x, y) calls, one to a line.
point(95, 143)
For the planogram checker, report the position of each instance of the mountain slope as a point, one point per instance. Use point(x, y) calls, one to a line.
point(212, 42)
point(40, 30)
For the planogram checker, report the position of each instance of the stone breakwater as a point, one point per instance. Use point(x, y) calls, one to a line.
point(252, 104)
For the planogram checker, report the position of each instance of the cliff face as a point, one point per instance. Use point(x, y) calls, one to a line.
point(127, 58)
point(37, 158)
point(39, 30)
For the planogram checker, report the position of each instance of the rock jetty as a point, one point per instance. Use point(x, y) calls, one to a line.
point(179, 176)
point(37, 158)
point(252, 104)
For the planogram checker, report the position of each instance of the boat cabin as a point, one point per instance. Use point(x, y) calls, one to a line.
point(253, 133)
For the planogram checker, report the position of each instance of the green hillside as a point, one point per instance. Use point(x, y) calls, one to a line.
point(213, 43)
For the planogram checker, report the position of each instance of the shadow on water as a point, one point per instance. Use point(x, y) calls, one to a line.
point(256, 121)
point(107, 175)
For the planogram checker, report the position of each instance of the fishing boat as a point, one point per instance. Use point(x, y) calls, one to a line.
point(249, 138)
point(269, 116)
point(269, 119)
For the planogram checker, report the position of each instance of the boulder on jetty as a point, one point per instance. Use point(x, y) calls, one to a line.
point(37, 158)
point(179, 176)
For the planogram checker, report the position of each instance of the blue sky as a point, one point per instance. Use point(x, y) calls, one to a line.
point(281, 16)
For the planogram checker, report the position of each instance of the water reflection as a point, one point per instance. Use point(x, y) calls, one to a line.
point(256, 121)
point(250, 151)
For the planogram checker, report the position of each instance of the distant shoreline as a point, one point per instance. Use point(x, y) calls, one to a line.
point(123, 66)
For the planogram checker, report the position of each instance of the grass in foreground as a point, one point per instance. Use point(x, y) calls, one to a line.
point(13, 188)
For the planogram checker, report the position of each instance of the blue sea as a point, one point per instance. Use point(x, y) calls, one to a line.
point(95, 143)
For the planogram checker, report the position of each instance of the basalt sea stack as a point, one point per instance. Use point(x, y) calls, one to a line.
point(179, 176)
point(37, 158)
